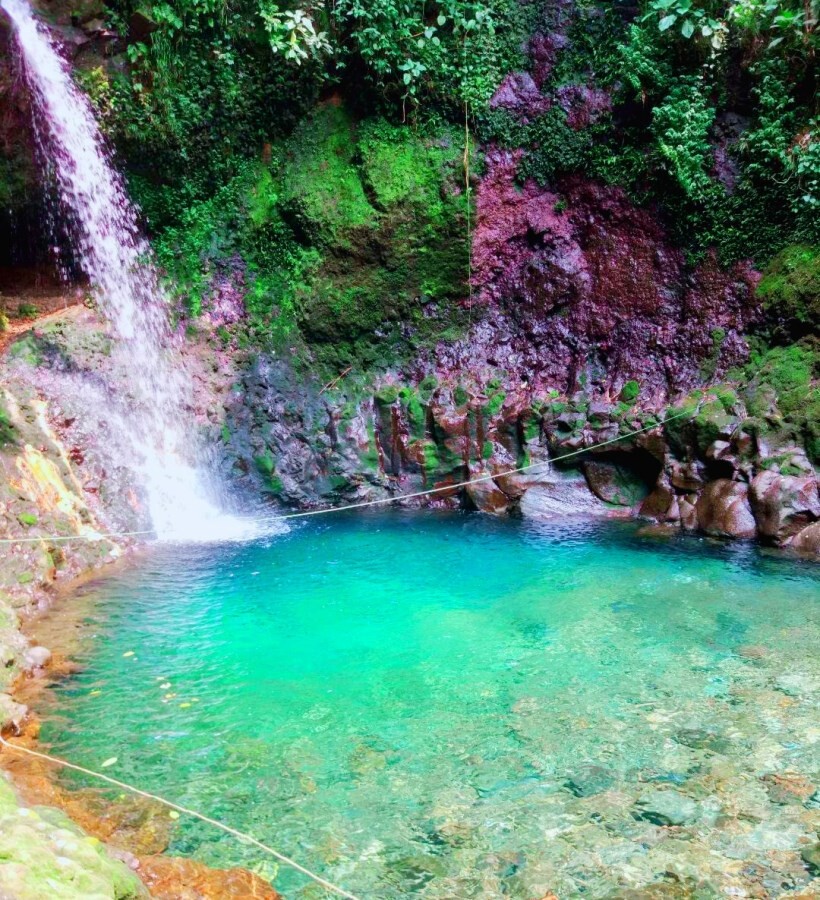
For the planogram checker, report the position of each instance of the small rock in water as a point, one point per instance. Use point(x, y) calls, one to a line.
point(811, 857)
point(667, 808)
point(590, 780)
point(37, 657)
point(702, 739)
point(788, 788)
point(752, 651)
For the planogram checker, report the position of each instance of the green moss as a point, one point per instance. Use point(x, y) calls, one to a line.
point(7, 432)
point(532, 427)
point(264, 464)
point(727, 397)
point(427, 387)
point(494, 404)
point(710, 364)
point(792, 373)
point(630, 391)
point(322, 188)
point(380, 204)
point(387, 395)
point(27, 519)
point(460, 396)
point(416, 414)
point(487, 450)
point(790, 291)
point(431, 456)
point(27, 349)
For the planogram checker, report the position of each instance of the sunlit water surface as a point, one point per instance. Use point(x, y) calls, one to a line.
point(445, 705)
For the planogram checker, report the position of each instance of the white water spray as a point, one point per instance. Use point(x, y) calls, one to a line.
point(118, 261)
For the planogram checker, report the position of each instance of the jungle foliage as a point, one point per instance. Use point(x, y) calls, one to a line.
point(267, 136)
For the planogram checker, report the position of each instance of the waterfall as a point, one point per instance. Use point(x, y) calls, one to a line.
point(182, 497)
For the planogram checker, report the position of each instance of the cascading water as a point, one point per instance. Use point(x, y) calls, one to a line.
point(181, 497)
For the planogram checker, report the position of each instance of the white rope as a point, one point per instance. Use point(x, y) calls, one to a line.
point(399, 498)
point(328, 885)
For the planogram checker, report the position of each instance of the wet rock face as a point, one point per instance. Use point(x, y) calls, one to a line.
point(519, 93)
point(578, 281)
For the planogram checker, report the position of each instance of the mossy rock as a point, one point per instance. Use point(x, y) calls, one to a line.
point(45, 855)
point(790, 291)
point(792, 372)
point(322, 191)
point(630, 392)
point(380, 204)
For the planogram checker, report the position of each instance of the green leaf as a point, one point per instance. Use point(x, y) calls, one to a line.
point(667, 22)
point(688, 28)
point(441, 20)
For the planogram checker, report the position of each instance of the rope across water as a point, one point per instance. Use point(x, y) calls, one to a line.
point(328, 885)
point(383, 501)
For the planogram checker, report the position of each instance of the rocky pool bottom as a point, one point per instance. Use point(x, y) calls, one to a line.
point(447, 705)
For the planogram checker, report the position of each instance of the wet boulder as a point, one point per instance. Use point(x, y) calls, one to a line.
point(687, 506)
point(783, 504)
point(486, 495)
point(723, 509)
point(686, 476)
point(807, 541)
point(662, 503)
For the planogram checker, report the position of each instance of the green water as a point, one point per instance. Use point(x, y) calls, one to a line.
point(447, 705)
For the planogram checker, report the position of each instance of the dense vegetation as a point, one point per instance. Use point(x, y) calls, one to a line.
point(319, 154)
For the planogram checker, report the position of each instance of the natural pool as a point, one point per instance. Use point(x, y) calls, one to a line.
point(451, 706)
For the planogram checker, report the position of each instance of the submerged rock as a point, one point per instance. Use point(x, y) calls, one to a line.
point(667, 808)
point(811, 857)
point(186, 879)
point(590, 780)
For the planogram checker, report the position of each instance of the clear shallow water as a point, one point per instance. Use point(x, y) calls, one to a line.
point(444, 705)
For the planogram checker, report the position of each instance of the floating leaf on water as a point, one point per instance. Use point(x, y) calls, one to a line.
point(112, 760)
point(165, 686)
point(94, 693)
point(170, 696)
point(173, 814)
point(184, 705)
point(128, 653)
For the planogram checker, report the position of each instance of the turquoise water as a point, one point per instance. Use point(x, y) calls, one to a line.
point(447, 705)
